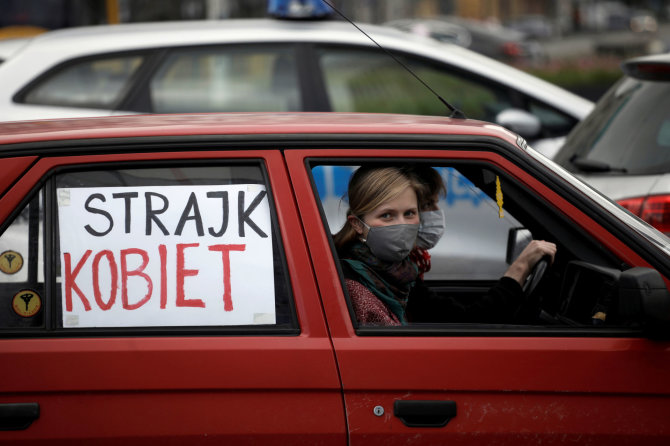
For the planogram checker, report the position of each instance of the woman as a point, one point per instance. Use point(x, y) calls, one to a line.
point(375, 242)
point(377, 238)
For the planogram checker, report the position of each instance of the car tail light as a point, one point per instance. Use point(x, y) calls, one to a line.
point(654, 209)
point(651, 71)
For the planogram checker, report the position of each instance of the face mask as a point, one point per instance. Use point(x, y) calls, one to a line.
point(391, 243)
point(431, 229)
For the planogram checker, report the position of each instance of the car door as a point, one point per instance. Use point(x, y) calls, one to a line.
point(558, 376)
point(155, 298)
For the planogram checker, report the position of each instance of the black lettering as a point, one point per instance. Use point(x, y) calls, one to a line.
point(225, 213)
point(243, 215)
point(151, 213)
point(126, 197)
point(185, 215)
point(93, 210)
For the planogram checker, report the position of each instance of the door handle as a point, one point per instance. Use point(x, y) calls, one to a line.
point(18, 416)
point(415, 413)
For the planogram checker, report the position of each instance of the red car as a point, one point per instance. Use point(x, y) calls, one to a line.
point(173, 280)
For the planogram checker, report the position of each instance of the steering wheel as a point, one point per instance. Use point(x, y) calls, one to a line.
point(535, 276)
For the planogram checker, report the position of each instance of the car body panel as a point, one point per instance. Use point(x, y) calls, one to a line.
point(12, 169)
point(240, 124)
point(333, 382)
point(8, 47)
point(475, 368)
point(196, 389)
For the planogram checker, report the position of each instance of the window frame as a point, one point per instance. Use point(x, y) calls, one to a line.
point(47, 183)
point(510, 170)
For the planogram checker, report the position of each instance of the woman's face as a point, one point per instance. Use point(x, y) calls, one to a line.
point(401, 210)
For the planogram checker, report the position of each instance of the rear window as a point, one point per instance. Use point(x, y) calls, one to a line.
point(629, 129)
point(94, 83)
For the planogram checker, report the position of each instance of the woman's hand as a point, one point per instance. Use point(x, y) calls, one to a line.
point(523, 265)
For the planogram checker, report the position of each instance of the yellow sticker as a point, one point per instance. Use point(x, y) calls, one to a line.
point(499, 198)
point(10, 262)
point(26, 303)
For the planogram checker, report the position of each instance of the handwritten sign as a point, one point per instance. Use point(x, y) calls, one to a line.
point(166, 256)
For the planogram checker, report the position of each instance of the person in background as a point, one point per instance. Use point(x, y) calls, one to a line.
point(432, 222)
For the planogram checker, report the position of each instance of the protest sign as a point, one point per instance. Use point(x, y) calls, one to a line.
point(166, 256)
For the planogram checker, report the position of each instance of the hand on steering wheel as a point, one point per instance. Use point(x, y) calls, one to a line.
point(530, 265)
point(536, 275)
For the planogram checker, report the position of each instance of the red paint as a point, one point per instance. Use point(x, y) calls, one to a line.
point(114, 275)
point(225, 259)
point(162, 252)
point(71, 277)
point(182, 273)
point(12, 168)
point(137, 272)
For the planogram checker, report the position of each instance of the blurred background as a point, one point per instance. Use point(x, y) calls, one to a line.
point(576, 44)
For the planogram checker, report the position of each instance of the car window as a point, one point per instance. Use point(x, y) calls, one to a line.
point(105, 81)
point(473, 247)
point(155, 247)
point(554, 122)
point(246, 78)
point(489, 218)
point(629, 129)
point(22, 268)
point(370, 81)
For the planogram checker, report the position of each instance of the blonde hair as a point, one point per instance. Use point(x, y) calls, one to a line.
point(369, 188)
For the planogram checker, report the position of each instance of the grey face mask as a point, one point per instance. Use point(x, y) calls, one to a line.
point(391, 243)
point(431, 229)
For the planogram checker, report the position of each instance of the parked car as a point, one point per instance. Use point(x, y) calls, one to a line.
point(490, 39)
point(172, 279)
point(623, 147)
point(537, 26)
point(273, 65)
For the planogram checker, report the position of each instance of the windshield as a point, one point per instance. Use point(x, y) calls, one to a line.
point(629, 130)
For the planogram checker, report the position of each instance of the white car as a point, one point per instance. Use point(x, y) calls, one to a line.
point(273, 65)
point(8, 47)
point(623, 147)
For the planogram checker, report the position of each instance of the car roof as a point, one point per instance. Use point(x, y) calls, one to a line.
point(10, 46)
point(51, 48)
point(255, 124)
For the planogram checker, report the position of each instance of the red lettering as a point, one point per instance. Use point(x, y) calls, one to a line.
point(71, 277)
point(181, 274)
point(162, 251)
point(225, 258)
point(138, 272)
point(114, 279)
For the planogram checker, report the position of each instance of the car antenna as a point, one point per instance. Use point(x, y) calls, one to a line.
point(455, 113)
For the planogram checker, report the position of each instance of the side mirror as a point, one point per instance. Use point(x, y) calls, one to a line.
point(517, 240)
point(520, 121)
